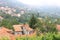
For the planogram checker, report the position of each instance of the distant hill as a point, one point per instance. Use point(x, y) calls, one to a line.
point(11, 3)
point(44, 10)
point(50, 11)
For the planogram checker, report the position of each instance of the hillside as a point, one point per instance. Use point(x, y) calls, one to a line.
point(51, 11)
point(11, 3)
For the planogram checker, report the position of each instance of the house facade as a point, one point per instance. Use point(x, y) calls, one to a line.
point(22, 29)
point(19, 30)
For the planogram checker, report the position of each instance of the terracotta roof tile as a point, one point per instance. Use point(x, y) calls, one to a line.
point(58, 27)
point(3, 32)
point(27, 27)
point(17, 27)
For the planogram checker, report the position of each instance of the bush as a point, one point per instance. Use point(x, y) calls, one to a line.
point(47, 36)
point(4, 38)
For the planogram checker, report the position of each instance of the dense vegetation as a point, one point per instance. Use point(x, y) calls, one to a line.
point(35, 21)
point(44, 26)
point(44, 23)
point(8, 21)
point(46, 36)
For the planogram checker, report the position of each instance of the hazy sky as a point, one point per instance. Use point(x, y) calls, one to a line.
point(41, 2)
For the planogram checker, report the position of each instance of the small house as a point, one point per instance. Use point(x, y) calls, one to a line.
point(22, 29)
point(17, 29)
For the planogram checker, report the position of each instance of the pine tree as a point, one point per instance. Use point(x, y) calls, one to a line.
point(33, 21)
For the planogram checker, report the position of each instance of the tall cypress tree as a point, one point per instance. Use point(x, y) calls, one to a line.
point(33, 21)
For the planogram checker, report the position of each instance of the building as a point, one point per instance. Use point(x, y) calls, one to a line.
point(22, 11)
point(14, 14)
point(22, 29)
point(19, 30)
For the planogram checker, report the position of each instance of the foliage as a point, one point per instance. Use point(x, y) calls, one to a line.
point(32, 22)
point(8, 23)
point(4, 38)
point(58, 21)
point(47, 36)
point(46, 25)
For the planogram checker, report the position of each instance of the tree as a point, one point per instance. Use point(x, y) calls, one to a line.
point(33, 21)
point(6, 23)
point(50, 26)
point(46, 25)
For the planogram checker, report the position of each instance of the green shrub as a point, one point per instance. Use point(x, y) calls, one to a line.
point(4, 38)
point(47, 36)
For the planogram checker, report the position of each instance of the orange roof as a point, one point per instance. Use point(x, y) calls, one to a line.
point(27, 27)
point(3, 32)
point(58, 27)
point(17, 27)
point(6, 29)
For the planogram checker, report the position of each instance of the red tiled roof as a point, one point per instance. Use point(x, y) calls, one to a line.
point(3, 32)
point(18, 27)
point(6, 29)
point(27, 27)
point(58, 27)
